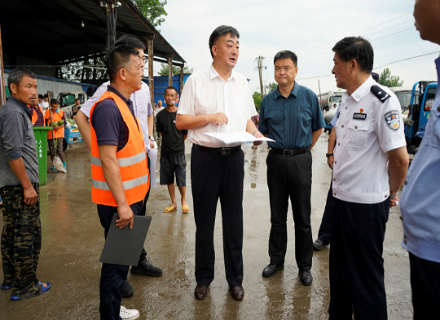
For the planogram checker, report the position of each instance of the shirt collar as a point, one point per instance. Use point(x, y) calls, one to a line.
point(23, 106)
point(213, 73)
point(294, 91)
point(363, 89)
point(113, 89)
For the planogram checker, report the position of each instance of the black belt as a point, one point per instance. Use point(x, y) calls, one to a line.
point(289, 153)
point(222, 151)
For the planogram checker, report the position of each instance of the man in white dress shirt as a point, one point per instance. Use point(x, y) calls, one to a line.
point(218, 100)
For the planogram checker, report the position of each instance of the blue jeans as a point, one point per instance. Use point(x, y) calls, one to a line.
point(113, 276)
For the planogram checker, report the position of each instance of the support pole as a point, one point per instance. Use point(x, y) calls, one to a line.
point(260, 67)
point(2, 77)
point(170, 71)
point(150, 74)
point(181, 80)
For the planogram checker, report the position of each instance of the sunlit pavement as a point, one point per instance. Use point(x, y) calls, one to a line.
point(73, 239)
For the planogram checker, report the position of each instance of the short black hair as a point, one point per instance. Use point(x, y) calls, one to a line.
point(375, 76)
point(45, 96)
point(53, 101)
point(118, 57)
point(356, 48)
point(170, 88)
point(17, 74)
point(219, 32)
point(40, 96)
point(77, 99)
point(286, 54)
point(130, 41)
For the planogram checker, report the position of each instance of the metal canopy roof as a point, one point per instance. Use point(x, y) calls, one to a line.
point(50, 30)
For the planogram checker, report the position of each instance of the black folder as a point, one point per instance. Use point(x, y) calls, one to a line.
point(124, 246)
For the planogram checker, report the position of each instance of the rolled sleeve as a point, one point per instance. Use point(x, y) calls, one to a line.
point(186, 104)
point(389, 138)
point(12, 135)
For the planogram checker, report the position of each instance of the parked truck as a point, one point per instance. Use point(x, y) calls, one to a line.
point(328, 99)
point(419, 110)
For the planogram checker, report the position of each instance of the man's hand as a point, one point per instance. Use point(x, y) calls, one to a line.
point(151, 144)
point(218, 118)
point(394, 201)
point(330, 161)
point(125, 217)
point(258, 135)
point(51, 117)
point(30, 196)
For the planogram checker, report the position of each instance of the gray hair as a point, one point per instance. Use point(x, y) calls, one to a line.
point(17, 74)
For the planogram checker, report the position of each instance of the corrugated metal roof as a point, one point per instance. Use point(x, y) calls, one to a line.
point(50, 30)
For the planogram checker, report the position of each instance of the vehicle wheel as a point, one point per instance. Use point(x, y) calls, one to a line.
point(64, 145)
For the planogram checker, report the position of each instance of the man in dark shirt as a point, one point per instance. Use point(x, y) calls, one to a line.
point(76, 107)
point(19, 185)
point(112, 135)
point(172, 159)
point(291, 116)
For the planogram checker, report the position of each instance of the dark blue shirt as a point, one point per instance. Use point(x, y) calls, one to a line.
point(290, 121)
point(108, 123)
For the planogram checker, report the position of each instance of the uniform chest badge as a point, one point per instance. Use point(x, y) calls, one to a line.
point(392, 119)
point(360, 116)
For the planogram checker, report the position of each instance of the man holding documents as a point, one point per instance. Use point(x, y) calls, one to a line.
point(120, 177)
point(218, 100)
point(291, 116)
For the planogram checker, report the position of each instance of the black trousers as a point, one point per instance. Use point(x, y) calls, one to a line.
point(325, 229)
point(290, 177)
point(356, 263)
point(113, 276)
point(425, 285)
point(215, 176)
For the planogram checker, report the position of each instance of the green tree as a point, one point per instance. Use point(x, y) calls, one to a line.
point(272, 86)
point(257, 99)
point(176, 70)
point(153, 10)
point(386, 79)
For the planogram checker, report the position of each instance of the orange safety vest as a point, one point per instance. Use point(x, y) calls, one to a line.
point(57, 116)
point(36, 114)
point(132, 160)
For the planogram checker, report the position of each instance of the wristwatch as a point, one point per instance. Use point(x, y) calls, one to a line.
point(151, 138)
point(328, 155)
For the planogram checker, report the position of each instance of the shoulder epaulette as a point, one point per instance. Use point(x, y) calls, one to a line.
point(381, 94)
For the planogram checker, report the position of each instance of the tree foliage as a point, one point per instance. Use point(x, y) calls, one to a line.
point(388, 80)
point(176, 70)
point(153, 10)
point(272, 86)
point(74, 71)
point(257, 99)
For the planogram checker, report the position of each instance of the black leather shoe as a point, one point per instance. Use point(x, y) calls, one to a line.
point(127, 290)
point(201, 292)
point(306, 277)
point(145, 267)
point(319, 245)
point(237, 292)
point(271, 269)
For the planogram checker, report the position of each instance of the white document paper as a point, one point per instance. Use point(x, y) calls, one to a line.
point(234, 137)
point(152, 155)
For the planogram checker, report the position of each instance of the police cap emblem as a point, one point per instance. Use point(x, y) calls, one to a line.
point(392, 119)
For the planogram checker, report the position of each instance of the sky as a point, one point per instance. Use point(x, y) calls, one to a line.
point(308, 28)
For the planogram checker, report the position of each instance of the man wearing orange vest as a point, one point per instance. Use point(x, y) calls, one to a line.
point(37, 114)
point(120, 177)
point(53, 119)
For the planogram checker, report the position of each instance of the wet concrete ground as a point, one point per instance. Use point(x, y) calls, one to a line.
point(73, 239)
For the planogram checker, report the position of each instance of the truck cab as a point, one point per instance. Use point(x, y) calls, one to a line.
point(419, 110)
point(67, 100)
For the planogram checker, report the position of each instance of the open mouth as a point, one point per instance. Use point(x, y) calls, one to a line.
point(233, 59)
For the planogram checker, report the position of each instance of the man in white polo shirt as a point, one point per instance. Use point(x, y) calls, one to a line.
point(370, 164)
point(218, 100)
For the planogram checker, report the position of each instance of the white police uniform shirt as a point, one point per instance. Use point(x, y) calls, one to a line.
point(367, 128)
point(205, 92)
point(141, 106)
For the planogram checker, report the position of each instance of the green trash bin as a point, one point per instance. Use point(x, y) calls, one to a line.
point(41, 139)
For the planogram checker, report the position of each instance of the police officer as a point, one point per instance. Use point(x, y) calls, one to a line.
point(421, 192)
point(292, 117)
point(370, 164)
